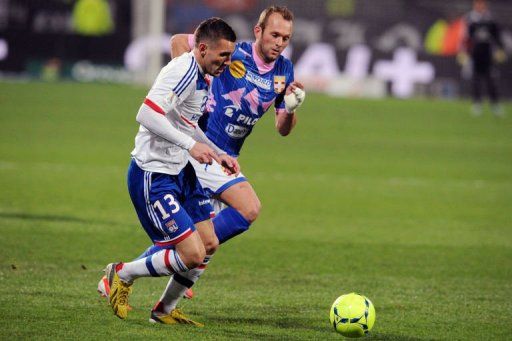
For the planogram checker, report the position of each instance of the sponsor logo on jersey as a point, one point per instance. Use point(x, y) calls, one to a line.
point(171, 225)
point(237, 69)
point(258, 81)
point(235, 131)
point(279, 84)
point(247, 120)
point(204, 202)
point(229, 110)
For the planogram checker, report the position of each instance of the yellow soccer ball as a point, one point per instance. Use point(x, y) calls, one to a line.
point(352, 315)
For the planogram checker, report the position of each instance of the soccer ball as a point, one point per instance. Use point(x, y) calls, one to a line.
point(352, 315)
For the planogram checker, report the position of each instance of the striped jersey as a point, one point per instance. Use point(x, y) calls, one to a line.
point(242, 94)
point(179, 93)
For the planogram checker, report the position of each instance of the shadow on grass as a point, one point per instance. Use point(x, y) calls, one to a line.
point(287, 323)
point(396, 337)
point(294, 324)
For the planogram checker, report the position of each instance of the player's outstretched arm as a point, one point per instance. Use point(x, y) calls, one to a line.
point(156, 123)
point(180, 44)
point(294, 97)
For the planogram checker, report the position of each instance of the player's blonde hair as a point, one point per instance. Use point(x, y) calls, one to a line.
point(267, 12)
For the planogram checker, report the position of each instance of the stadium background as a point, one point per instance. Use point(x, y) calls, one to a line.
point(406, 201)
point(50, 39)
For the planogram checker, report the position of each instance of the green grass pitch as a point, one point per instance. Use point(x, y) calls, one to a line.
point(406, 202)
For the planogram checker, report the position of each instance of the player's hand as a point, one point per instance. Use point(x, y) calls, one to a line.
point(500, 56)
point(203, 153)
point(293, 85)
point(230, 164)
point(294, 96)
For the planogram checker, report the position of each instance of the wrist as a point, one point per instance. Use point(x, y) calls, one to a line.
point(190, 144)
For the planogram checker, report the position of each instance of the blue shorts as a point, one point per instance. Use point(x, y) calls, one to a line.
point(168, 206)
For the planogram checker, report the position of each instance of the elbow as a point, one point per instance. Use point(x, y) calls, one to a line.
point(179, 45)
point(284, 129)
point(172, 45)
point(174, 39)
point(283, 132)
point(140, 118)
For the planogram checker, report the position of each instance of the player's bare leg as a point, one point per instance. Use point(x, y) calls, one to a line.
point(243, 198)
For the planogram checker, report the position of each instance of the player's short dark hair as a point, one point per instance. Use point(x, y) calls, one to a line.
point(267, 12)
point(214, 29)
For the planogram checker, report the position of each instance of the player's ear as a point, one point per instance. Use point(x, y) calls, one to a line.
point(257, 31)
point(203, 47)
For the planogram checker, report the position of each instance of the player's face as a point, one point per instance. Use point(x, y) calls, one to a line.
point(271, 41)
point(217, 56)
point(480, 6)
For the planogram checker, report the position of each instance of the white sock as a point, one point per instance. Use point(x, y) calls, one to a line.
point(177, 285)
point(162, 263)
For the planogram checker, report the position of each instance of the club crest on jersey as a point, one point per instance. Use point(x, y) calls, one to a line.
point(171, 225)
point(279, 84)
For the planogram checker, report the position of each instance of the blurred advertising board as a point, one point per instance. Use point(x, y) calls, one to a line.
point(362, 48)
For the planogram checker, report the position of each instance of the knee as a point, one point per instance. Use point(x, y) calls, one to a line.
point(194, 259)
point(252, 211)
point(211, 245)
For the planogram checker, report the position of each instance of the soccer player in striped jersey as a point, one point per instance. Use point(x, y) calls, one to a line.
point(171, 205)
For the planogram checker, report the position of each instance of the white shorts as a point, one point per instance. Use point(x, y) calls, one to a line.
point(213, 178)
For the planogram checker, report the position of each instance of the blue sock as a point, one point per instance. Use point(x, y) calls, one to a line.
point(229, 223)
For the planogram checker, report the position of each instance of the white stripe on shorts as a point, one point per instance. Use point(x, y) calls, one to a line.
point(149, 208)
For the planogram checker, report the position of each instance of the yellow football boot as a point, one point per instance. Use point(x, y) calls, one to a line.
point(176, 316)
point(119, 292)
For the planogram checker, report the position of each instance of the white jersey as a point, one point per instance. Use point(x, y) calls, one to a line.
point(179, 93)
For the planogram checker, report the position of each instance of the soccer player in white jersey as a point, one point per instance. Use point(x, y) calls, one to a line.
point(257, 77)
point(171, 205)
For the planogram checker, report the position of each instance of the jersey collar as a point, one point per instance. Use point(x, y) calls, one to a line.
point(262, 66)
